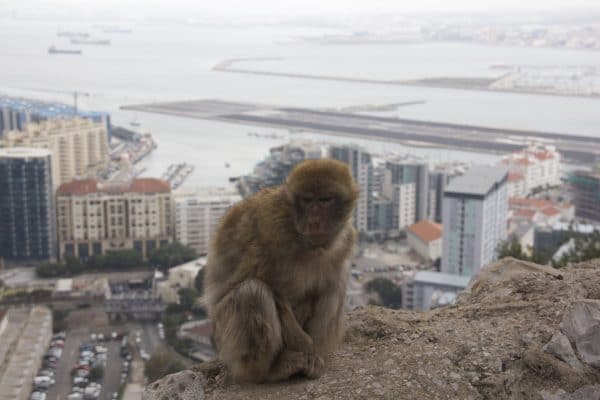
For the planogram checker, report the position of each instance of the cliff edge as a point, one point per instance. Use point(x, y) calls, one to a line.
point(522, 331)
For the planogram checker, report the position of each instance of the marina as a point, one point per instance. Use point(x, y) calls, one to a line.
point(176, 174)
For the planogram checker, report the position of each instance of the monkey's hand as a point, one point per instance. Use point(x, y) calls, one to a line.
point(294, 337)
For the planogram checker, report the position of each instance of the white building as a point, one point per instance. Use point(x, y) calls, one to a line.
point(198, 214)
point(422, 292)
point(425, 238)
point(79, 146)
point(475, 214)
point(181, 276)
point(537, 165)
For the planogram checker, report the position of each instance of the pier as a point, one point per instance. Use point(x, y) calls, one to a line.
point(176, 174)
point(575, 148)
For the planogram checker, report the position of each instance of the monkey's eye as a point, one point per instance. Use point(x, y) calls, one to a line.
point(306, 200)
point(325, 200)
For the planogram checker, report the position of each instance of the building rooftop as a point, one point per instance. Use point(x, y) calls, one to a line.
point(83, 187)
point(479, 180)
point(23, 152)
point(194, 265)
point(439, 278)
point(426, 230)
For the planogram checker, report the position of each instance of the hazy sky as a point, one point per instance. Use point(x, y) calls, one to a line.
point(171, 7)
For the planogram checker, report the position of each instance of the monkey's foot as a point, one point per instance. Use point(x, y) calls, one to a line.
point(314, 366)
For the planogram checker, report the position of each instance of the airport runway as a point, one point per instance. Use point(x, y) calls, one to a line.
point(575, 148)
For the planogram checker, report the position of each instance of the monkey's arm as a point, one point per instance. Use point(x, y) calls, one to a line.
point(294, 337)
point(325, 326)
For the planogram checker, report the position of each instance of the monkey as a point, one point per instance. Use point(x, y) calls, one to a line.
point(275, 278)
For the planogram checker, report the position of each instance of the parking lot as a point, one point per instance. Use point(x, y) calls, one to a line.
point(115, 362)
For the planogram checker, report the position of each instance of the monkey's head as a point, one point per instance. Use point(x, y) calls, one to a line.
point(323, 196)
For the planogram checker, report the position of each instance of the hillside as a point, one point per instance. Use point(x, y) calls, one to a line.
point(522, 332)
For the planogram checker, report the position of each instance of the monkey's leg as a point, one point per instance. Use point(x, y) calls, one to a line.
point(248, 332)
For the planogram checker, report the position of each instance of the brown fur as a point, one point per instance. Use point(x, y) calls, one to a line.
point(275, 298)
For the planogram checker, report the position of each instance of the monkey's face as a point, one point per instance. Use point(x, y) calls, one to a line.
point(317, 216)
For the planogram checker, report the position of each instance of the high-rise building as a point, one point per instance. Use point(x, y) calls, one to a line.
point(16, 113)
point(361, 167)
point(406, 183)
point(439, 177)
point(94, 218)
point(79, 147)
point(27, 223)
point(475, 213)
point(198, 214)
point(585, 186)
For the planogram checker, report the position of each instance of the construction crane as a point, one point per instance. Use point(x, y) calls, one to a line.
point(73, 93)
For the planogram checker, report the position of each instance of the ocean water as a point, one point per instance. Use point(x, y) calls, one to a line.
point(170, 61)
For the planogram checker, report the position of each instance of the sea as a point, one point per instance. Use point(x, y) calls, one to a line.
point(173, 61)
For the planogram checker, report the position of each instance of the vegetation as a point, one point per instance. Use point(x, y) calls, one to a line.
point(171, 255)
point(165, 257)
point(162, 363)
point(96, 373)
point(586, 247)
point(389, 293)
point(187, 298)
point(59, 320)
point(199, 282)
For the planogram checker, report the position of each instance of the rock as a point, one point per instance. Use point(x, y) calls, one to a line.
point(581, 324)
point(185, 385)
point(560, 347)
point(589, 392)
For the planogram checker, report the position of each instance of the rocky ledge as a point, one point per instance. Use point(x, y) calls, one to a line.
point(522, 331)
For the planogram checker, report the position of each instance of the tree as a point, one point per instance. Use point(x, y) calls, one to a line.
point(171, 255)
point(511, 247)
point(389, 293)
point(187, 298)
point(199, 282)
point(160, 364)
point(96, 373)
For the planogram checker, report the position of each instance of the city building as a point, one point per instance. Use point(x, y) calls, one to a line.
point(425, 238)
point(439, 176)
point(198, 214)
point(585, 186)
point(79, 147)
point(548, 239)
point(274, 169)
point(3, 320)
point(427, 288)
point(16, 113)
point(179, 277)
point(95, 218)
point(537, 212)
point(27, 214)
point(361, 167)
point(536, 166)
point(475, 214)
point(22, 347)
point(406, 184)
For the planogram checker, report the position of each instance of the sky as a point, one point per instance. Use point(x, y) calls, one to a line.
point(283, 7)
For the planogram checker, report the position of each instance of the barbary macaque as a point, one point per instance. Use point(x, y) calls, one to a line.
point(275, 281)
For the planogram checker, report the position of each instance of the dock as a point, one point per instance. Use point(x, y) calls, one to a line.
point(176, 174)
point(575, 148)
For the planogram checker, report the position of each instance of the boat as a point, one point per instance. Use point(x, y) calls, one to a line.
point(72, 34)
point(134, 123)
point(227, 165)
point(54, 50)
point(91, 41)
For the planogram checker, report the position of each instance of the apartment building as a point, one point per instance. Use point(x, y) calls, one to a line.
point(534, 167)
point(94, 218)
point(475, 213)
point(198, 214)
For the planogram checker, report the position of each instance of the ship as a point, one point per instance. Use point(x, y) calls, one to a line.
point(91, 41)
point(72, 34)
point(54, 50)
